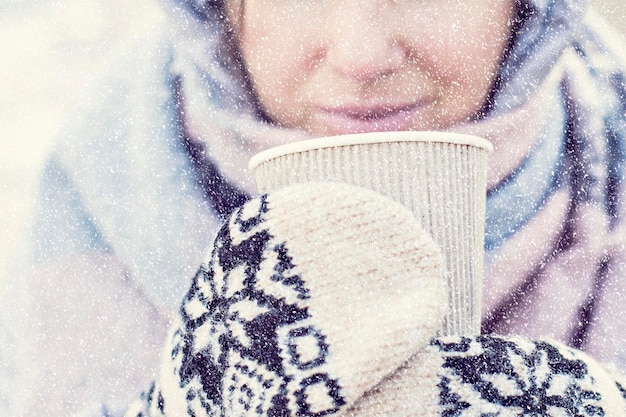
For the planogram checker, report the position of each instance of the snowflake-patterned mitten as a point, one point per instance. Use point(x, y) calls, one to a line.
point(325, 299)
point(503, 376)
point(310, 297)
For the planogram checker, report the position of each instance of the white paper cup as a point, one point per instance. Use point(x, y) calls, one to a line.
point(440, 176)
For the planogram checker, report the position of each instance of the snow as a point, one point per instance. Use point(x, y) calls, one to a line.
point(49, 48)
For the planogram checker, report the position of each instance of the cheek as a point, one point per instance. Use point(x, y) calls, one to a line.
point(467, 54)
point(265, 59)
point(279, 51)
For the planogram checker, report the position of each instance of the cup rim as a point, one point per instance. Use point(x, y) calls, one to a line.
point(368, 138)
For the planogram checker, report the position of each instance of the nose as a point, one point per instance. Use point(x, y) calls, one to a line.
point(364, 43)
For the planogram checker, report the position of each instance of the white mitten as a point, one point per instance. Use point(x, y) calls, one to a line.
point(504, 376)
point(310, 298)
point(325, 299)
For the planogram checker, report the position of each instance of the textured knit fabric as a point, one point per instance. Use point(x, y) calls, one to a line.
point(136, 189)
point(308, 298)
point(329, 311)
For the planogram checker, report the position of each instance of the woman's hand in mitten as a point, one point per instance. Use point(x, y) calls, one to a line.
point(310, 298)
point(324, 299)
point(501, 376)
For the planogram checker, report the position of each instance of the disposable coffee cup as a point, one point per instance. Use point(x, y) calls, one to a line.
point(440, 177)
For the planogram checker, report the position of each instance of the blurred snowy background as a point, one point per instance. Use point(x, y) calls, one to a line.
point(49, 52)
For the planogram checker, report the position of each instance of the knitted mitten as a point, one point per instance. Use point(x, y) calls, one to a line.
point(310, 297)
point(325, 299)
point(490, 375)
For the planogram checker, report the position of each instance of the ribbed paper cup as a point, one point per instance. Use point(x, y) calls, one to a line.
point(440, 176)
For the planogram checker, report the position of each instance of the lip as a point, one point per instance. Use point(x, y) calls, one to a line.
point(348, 119)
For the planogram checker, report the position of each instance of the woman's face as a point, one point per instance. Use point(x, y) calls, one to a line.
point(348, 66)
